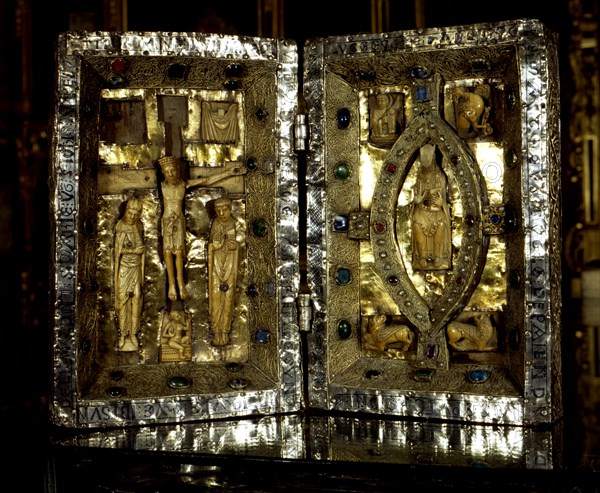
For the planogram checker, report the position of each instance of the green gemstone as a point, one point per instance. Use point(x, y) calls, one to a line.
point(259, 227)
point(179, 382)
point(344, 329)
point(341, 171)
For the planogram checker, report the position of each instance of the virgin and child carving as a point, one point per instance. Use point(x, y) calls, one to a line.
point(431, 228)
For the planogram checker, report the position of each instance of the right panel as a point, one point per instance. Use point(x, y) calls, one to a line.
point(433, 223)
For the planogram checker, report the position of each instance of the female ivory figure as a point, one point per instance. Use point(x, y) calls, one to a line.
point(223, 254)
point(129, 275)
point(431, 232)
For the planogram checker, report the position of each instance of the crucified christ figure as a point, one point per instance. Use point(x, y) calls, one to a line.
point(173, 189)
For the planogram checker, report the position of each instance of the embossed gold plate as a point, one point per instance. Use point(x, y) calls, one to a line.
point(432, 246)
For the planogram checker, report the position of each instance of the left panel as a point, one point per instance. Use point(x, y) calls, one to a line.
point(175, 228)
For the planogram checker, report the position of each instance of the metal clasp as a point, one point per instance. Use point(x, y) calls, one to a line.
point(304, 312)
point(300, 132)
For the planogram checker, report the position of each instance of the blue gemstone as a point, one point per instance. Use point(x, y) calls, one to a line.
point(341, 222)
point(262, 336)
point(495, 218)
point(422, 93)
point(343, 118)
point(478, 376)
point(343, 276)
point(419, 72)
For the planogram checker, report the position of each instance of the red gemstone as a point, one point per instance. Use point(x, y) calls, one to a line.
point(379, 227)
point(391, 167)
point(118, 66)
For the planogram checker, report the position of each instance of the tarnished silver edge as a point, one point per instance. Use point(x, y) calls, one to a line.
point(509, 32)
point(268, 436)
point(64, 191)
point(65, 407)
point(540, 147)
point(412, 440)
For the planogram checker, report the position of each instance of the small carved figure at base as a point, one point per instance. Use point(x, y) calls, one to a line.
point(176, 340)
point(480, 336)
point(381, 337)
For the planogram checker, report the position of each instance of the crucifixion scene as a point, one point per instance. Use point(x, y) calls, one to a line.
point(177, 249)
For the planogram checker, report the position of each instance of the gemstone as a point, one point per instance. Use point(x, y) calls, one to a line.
point(224, 287)
point(343, 118)
point(251, 163)
point(179, 382)
point(344, 329)
point(86, 345)
point(379, 227)
point(510, 158)
point(419, 72)
point(459, 280)
point(364, 75)
point(116, 375)
point(341, 171)
point(480, 65)
point(231, 84)
point(118, 66)
point(341, 222)
point(238, 383)
point(233, 367)
point(495, 218)
point(177, 71)
point(432, 351)
point(510, 220)
point(478, 376)
point(391, 167)
point(469, 220)
point(262, 336)
point(259, 227)
point(252, 290)
point(116, 81)
point(514, 279)
point(454, 159)
point(372, 374)
point(115, 391)
point(261, 114)
point(234, 70)
point(423, 375)
point(393, 280)
point(343, 276)
point(422, 93)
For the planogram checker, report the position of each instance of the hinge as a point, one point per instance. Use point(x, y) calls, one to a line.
point(304, 312)
point(300, 132)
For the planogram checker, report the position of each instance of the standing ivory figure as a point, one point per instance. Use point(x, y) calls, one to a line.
point(129, 275)
point(173, 190)
point(223, 255)
point(432, 240)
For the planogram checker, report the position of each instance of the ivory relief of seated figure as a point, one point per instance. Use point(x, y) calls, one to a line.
point(479, 335)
